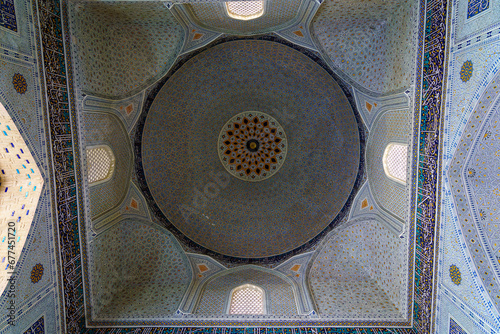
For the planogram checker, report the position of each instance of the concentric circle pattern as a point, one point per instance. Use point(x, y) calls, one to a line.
point(224, 212)
point(252, 146)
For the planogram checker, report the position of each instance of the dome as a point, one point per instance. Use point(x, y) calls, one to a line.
point(294, 179)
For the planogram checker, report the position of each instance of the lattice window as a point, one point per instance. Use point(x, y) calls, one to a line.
point(395, 157)
point(100, 163)
point(247, 299)
point(245, 10)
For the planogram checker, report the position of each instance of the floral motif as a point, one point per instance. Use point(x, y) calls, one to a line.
point(466, 71)
point(252, 146)
point(36, 273)
point(455, 275)
point(19, 83)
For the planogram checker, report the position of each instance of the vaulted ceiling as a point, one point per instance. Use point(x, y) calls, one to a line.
point(254, 153)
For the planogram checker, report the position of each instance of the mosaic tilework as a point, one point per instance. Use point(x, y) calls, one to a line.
point(475, 7)
point(296, 269)
point(133, 206)
point(430, 86)
point(138, 272)
point(127, 110)
point(21, 185)
point(455, 275)
point(455, 328)
point(37, 328)
point(43, 306)
point(469, 252)
point(25, 104)
point(454, 252)
point(466, 71)
point(106, 129)
point(483, 185)
point(401, 47)
point(195, 36)
point(8, 15)
point(466, 28)
point(212, 209)
point(191, 246)
point(279, 293)
point(214, 17)
point(74, 316)
point(37, 250)
point(204, 268)
point(19, 83)
point(16, 29)
point(57, 93)
point(476, 223)
point(465, 95)
point(371, 42)
point(261, 330)
point(119, 57)
point(365, 207)
point(451, 307)
point(36, 273)
point(370, 107)
point(252, 146)
point(360, 274)
point(391, 127)
point(299, 33)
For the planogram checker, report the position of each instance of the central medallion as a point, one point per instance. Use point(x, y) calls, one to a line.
point(252, 146)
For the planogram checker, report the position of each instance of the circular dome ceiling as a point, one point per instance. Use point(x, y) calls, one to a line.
point(225, 212)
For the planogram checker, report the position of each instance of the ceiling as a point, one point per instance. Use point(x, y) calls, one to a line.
point(236, 217)
point(157, 83)
point(134, 252)
point(285, 223)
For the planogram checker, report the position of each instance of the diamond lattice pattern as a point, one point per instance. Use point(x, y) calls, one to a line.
point(395, 161)
point(100, 163)
point(248, 299)
point(245, 10)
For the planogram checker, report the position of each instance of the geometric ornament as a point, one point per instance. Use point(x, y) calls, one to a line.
point(475, 7)
point(364, 204)
point(37, 328)
point(37, 273)
point(8, 15)
point(455, 328)
point(252, 146)
point(19, 83)
point(466, 71)
point(455, 275)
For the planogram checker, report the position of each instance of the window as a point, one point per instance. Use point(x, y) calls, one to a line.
point(100, 163)
point(394, 161)
point(247, 299)
point(245, 10)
